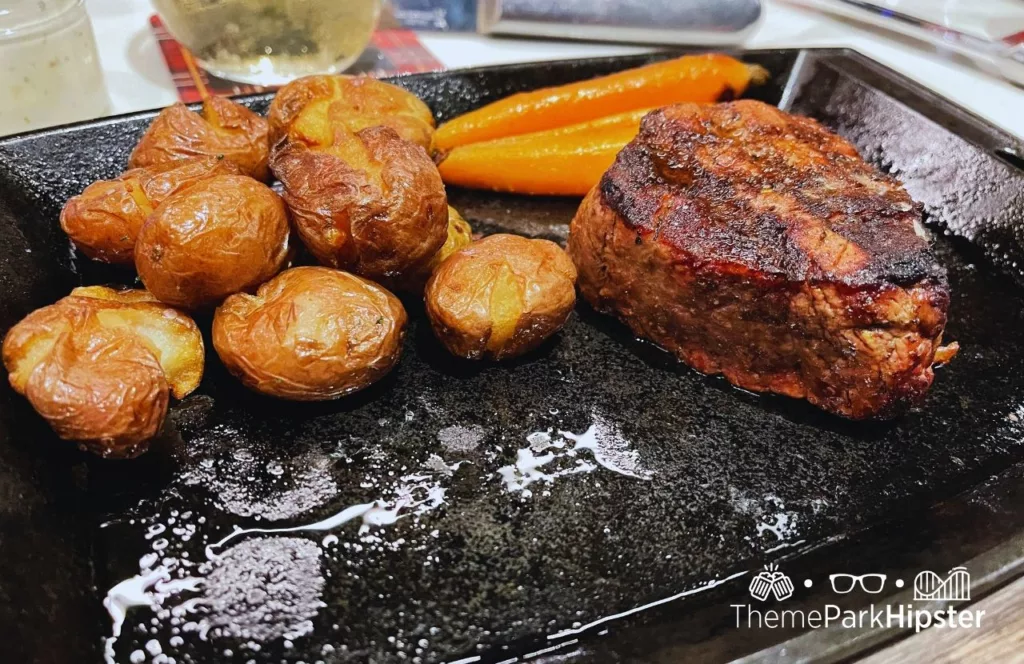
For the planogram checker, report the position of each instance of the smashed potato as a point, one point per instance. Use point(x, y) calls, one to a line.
point(99, 366)
point(103, 390)
point(368, 202)
point(350, 102)
point(310, 334)
point(501, 296)
point(224, 130)
point(104, 220)
point(218, 237)
point(171, 335)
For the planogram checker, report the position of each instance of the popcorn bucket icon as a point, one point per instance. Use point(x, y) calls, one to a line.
point(771, 582)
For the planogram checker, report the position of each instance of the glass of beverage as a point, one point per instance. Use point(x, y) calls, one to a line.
point(271, 42)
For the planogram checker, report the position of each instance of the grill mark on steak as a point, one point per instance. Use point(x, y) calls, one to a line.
point(760, 176)
point(756, 244)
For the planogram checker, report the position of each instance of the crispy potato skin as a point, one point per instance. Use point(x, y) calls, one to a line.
point(310, 334)
point(368, 202)
point(32, 339)
point(218, 237)
point(352, 103)
point(501, 296)
point(100, 364)
point(102, 389)
point(104, 220)
point(224, 128)
point(171, 335)
point(460, 234)
point(122, 296)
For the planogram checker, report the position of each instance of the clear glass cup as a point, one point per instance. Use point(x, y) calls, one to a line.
point(50, 73)
point(271, 42)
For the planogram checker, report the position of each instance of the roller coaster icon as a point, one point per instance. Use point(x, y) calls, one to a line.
point(955, 587)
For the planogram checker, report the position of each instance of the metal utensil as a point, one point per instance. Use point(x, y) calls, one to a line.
point(1003, 56)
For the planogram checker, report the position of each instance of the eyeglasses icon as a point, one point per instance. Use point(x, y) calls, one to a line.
point(869, 583)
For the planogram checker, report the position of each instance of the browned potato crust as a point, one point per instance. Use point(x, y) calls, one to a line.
point(102, 389)
point(104, 220)
point(124, 296)
point(218, 237)
point(460, 234)
point(369, 202)
point(352, 103)
point(99, 366)
point(501, 296)
point(170, 334)
point(224, 130)
point(309, 334)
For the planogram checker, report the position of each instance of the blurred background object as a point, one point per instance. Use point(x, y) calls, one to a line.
point(710, 22)
point(270, 42)
point(144, 67)
point(443, 15)
point(989, 32)
point(391, 51)
point(51, 72)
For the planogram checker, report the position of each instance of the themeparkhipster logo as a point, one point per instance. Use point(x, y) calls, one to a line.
point(773, 584)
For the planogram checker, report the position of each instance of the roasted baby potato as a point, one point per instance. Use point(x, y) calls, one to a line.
point(218, 237)
point(367, 202)
point(100, 364)
point(460, 234)
point(501, 296)
point(104, 220)
point(170, 334)
point(310, 334)
point(224, 130)
point(352, 103)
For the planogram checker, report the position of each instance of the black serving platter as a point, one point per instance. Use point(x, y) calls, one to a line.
point(632, 552)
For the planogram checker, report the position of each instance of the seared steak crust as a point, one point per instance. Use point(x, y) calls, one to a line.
point(756, 244)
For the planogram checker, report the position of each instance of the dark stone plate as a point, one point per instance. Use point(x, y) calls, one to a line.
point(661, 483)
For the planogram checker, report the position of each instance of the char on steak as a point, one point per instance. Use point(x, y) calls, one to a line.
point(756, 244)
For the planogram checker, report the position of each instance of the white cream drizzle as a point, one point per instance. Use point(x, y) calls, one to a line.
point(602, 440)
point(783, 525)
point(526, 470)
point(609, 448)
point(415, 493)
point(150, 589)
point(373, 514)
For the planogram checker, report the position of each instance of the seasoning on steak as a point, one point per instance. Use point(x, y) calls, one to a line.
point(756, 244)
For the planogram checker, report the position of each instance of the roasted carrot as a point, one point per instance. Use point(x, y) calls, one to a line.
point(563, 161)
point(700, 78)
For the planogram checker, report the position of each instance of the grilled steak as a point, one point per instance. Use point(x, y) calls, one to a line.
point(756, 244)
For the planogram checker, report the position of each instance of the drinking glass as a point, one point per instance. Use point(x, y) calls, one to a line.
point(271, 42)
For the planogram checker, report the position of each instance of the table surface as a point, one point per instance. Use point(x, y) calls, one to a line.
point(137, 77)
point(1000, 639)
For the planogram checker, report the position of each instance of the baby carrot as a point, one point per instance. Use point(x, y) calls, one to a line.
point(698, 78)
point(564, 161)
